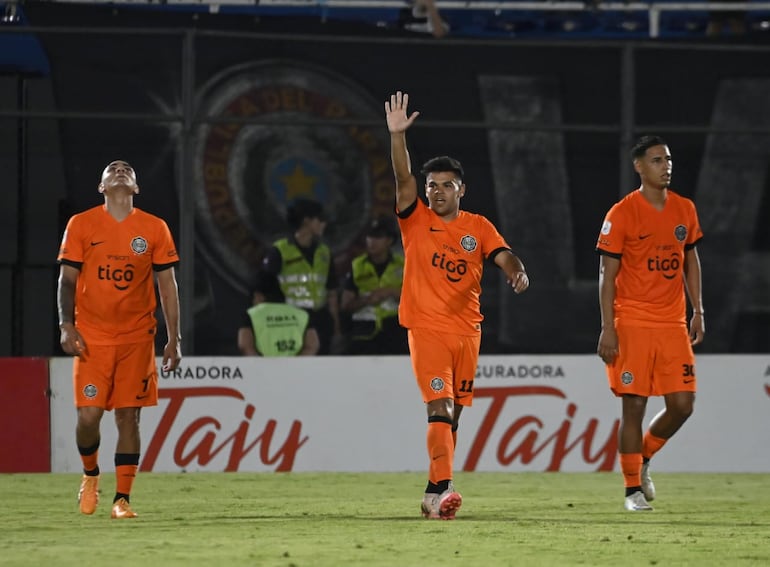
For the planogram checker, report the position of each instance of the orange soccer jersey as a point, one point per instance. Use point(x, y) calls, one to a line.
point(651, 245)
point(442, 272)
point(115, 295)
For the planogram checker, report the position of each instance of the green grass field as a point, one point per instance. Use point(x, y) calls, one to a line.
point(332, 519)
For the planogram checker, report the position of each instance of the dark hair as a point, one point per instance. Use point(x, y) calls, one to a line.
point(267, 284)
point(301, 209)
point(645, 143)
point(443, 163)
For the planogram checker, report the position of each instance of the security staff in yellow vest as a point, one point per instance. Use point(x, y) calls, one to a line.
point(371, 293)
point(274, 328)
point(304, 269)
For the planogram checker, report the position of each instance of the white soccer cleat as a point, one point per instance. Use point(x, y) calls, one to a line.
point(429, 506)
point(648, 487)
point(449, 503)
point(442, 506)
point(637, 502)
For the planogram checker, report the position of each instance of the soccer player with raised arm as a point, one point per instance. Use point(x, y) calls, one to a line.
point(110, 257)
point(648, 261)
point(444, 249)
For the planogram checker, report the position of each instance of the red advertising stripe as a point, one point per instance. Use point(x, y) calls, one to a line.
point(25, 432)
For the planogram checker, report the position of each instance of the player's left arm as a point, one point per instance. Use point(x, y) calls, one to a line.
point(515, 273)
point(169, 301)
point(692, 280)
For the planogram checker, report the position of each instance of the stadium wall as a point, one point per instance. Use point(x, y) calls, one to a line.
point(531, 413)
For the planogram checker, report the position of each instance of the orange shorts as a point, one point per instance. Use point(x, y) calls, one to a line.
point(116, 376)
point(652, 362)
point(444, 364)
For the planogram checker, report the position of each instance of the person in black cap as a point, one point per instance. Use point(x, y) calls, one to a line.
point(371, 293)
point(304, 269)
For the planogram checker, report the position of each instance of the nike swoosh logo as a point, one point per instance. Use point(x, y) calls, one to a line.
point(96, 243)
point(436, 229)
point(643, 236)
point(688, 381)
point(142, 397)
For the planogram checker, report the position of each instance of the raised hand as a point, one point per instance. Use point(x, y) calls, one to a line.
point(396, 114)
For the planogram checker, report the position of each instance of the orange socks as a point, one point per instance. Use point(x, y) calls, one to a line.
point(631, 463)
point(631, 467)
point(89, 456)
point(440, 449)
point(651, 444)
point(126, 465)
point(124, 478)
point(90, 462)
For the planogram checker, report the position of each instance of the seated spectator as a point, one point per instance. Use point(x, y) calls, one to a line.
point(424, 17)
point(273, 328)
point(371, 293)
